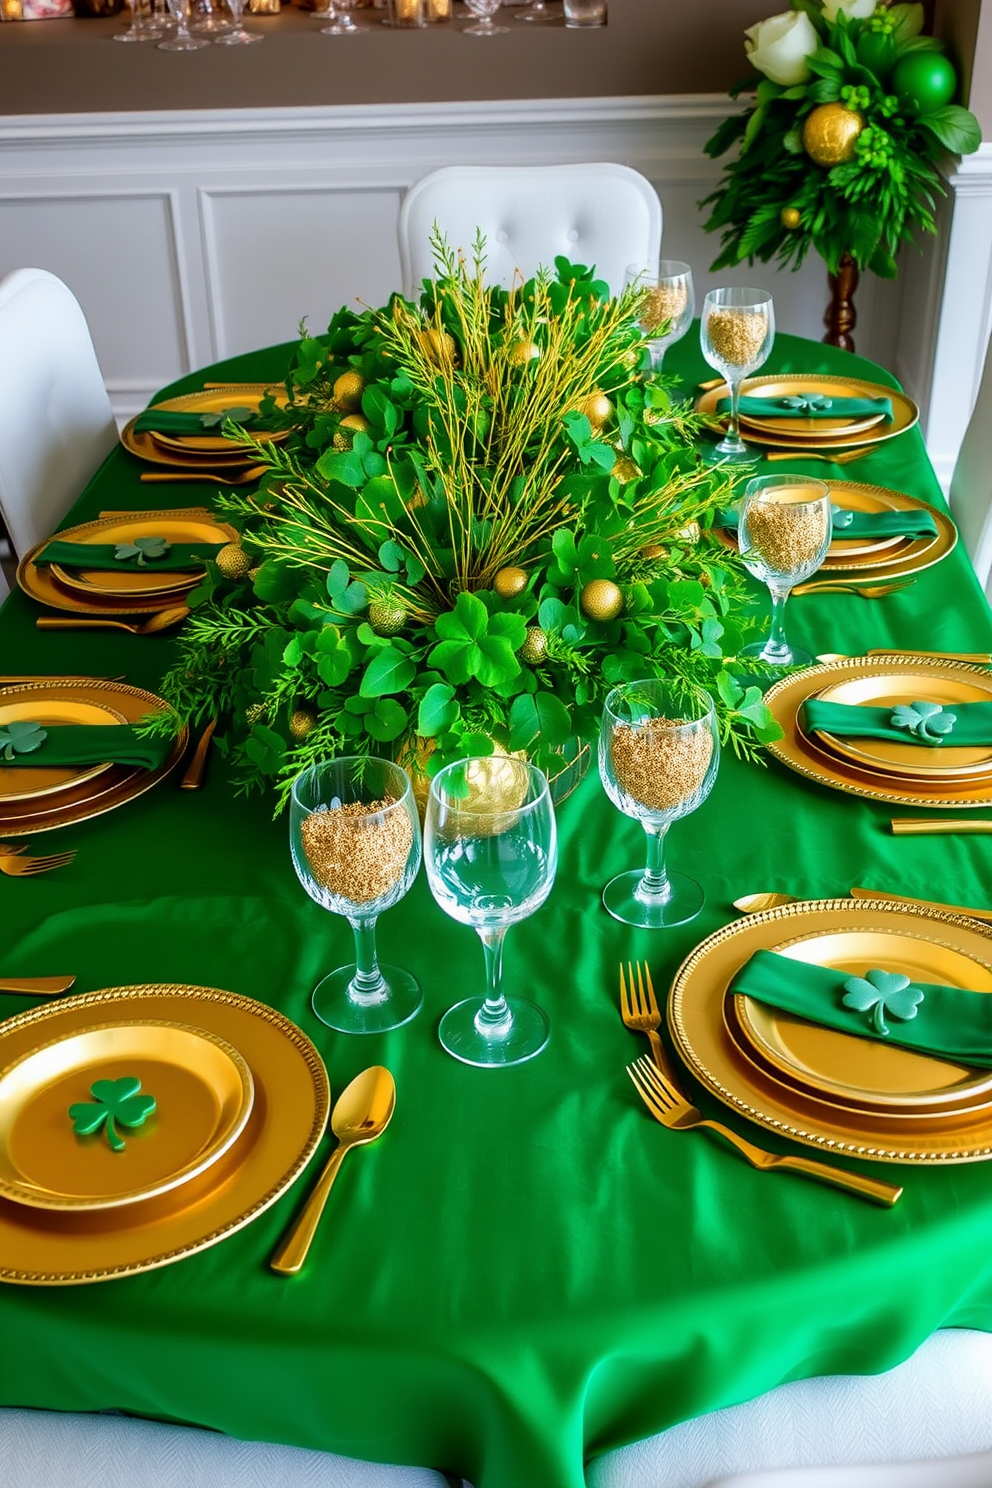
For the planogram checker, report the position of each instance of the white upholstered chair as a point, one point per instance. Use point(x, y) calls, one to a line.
point(56, 425)
point(601, 214)
point(971, 483)
point(836, 1431)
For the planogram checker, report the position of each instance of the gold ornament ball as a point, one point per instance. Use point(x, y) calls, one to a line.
point(597, 409)
point(354, 423)
point(522, 352)
point(439, 347)
point(232, 561)
point(494, 785)
point(386, 618)
point(830, 133)
point(348, 390)
point(510, 582)
point(601, 599)
point(302, 723)
point(535, 646)
point(790, 217)
point(254, 713)
point(654, 553)
point(624, 469)
point(253, 573)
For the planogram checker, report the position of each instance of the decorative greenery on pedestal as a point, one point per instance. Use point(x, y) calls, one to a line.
point(483, 517)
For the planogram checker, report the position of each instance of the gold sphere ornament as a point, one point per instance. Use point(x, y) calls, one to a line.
point(253, 573)
point(493, 783)
point(624, 469)
point(522, 352)
point(597, 409)
point(302, 723)
point(232, 561)
point(654, 553)
point(601, 599)
point(254, 713)
point(535, 646)
point(830, 133)
point(439, 347)
point(790, 217)
point(348, 390)
point(386, 617)
point(510, 582)
point(354, 423)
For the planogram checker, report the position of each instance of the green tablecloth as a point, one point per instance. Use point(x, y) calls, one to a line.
point(526, 1270)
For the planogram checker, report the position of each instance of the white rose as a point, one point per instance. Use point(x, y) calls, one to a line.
point(779, 46)
point(855, 10)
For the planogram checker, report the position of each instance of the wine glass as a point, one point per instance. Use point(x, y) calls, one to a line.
point(783, 532)
point(485, 10)
point(659, 750)
point(537, 10)
point(143, 25)
point(341, 22)
point(355, 838)
point(736, 335)
point(237, 35)
point(212, 20)
point(181, 41)
point(670, 298)
point(491, 850)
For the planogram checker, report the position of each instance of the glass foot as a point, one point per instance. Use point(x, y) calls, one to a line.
point(341, 29)
point(625, 902)
point(237, 38)
point(335, 1005)
point(182, 44)
point(524, 1035)
point(791, 656)
point(485, 31)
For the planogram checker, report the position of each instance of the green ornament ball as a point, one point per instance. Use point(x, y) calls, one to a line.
point(924, 81)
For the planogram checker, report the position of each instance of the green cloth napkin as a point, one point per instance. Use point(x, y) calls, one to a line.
point(903, 723)
point(166, 421)
point(85, 744)
point(866, 525)
point(950, 1022)
point(809, 406)
point(180, 556)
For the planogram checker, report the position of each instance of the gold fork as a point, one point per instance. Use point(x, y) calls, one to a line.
point(15, 865)
point(866, 591)
point(843, 457)
point(641, 1014)
point(674, 1111)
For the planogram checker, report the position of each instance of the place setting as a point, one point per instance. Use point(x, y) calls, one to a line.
point(183, 436)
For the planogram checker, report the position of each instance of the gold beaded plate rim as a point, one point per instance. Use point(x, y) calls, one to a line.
point(699, 1031)
point(165, 449)
point(288, 1120)
point(905, 413)
point(972, 764)
point(797, 753)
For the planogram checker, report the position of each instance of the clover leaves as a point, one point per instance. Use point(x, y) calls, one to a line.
point(841, 515)
point(881, 992)
point(113, 1101)
point(476, 644)
point(20, 736)
point(928, 721)
point(143, 549)
point(236, 415)
point(806, 403)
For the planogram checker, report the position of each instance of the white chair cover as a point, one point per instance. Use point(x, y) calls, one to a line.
point(938, 1404)
point(942, 1472)
point(56, 424)
point(971, 483)
point(605, 214)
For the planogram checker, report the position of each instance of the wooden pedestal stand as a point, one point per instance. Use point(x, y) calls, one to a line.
point(840, 316)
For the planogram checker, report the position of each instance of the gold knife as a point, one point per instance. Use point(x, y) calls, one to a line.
point(193, 778)
point(960, 909)
point(936, 826)
point(36, 986)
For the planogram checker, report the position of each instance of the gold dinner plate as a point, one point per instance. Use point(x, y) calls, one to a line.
point(29, 783)
point(799, 753)
point(41, 1247)
point(203, 1093)
point(803, 428)
point(125, 583)
point(915, 761)
point(698, 1026)
point(248, 395)
point(911, 555)
point(904, 411)
point(118, 785)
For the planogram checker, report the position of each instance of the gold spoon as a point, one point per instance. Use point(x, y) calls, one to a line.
point(36, 986)
point(161, 620)
point(362, 1113)
point(245, 478)
point(755, 903)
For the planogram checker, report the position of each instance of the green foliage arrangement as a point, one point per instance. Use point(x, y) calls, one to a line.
point(806, 176)
point(450, 478)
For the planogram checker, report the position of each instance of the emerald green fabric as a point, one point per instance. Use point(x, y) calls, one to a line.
point(809, 406)
point(862, 524)
point(102, 556)
point(948, 1021)
point(972, 724)
point(165, 421)
point(88, 744)
point(525, 1270)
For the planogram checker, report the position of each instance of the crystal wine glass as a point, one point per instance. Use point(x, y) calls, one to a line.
point(181, 41)
point(211, 20)
point(783, 532)
point(736, 335)
point(485, 10)
point(537, 10)
point(341, 22)
point(237, 35)
point(670, 299)
point(143, 25)
point(659, 750)
point(491, 850)
point(355, 838)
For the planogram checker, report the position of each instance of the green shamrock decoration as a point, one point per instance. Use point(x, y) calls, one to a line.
point(841, 517)
point(20, 736)
point(882, 992)
point(807, 403)
point(928, 721)
point(143, 548)
point(113, 1101)
point(239, 416)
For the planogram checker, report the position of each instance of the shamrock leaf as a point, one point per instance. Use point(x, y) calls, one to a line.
point(113, 1101)
point(841, 517)
point(143, 548)
point(928, 721)
point(800, 403)
point(20, 736)
point(238, 415)
point(881, 992)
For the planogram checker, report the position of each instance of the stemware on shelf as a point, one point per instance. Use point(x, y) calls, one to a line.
point(736, 335)
point(537, 10)
point(237, 35)
point(659, 751)
point(341, 22)
point(491, 851)
point(144, 26)
point(784, 530)
point(485, 10)
point(357, 863)
point(670, 300)
point(181, 40)
point(211, 19)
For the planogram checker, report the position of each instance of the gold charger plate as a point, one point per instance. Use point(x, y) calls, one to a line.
point(169, 449)
point(698, 1027)
point(804, 428)
point(125, 583)
point(121, 783)
point(914, 761)
point(912, 554)
point(51, 1248)
point(799, 753)
point(29, 783)
point(203, 1091)
point(905, 413)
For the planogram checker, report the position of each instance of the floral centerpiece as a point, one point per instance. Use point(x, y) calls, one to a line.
point(477, 517)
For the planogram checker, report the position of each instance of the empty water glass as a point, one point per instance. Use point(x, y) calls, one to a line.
point(181, 41)
point(485, 10)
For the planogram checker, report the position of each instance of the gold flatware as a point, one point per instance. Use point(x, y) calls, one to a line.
point(960, 909)
point(245, 478)
point(363, 1112)
point(641, 1014)
point(839, 586)
point(843, 457)
point(36, 986)
point(160, 620)
point(16, 866)
point(973, 658)
point(193, 778)
point(936, 826)
point(677, 1114)
point(755, 903)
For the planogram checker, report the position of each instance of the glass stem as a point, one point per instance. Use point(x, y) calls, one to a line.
point(734, 424)
point(776, 647)
point(367, 985)
point(655, 885)
point(494, 1017)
